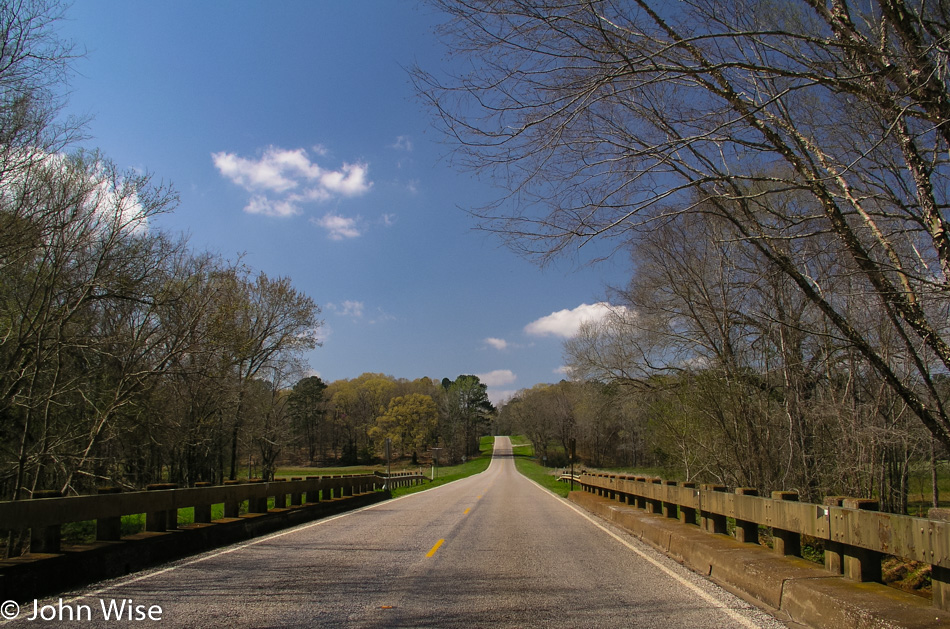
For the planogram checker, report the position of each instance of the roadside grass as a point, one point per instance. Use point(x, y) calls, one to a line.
point(545, 476)
point(449, 473)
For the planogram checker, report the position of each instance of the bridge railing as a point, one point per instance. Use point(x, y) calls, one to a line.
point(856, 536)
point(395, 480)
point(47, 512)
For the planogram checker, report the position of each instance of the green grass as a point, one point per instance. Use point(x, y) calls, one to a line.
point(545, 476)
point(351, 470)
point(85, 532)
point(449, 473)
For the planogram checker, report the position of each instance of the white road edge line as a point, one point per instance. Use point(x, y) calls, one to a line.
point(699, 592)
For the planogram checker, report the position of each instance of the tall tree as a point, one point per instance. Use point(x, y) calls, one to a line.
point(308, 414)
point(264, 322)
point(606, 117)
point(466, 412)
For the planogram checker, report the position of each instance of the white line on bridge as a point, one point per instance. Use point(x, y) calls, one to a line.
point(739, 618)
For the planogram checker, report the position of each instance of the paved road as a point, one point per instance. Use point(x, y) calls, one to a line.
point(492, 550)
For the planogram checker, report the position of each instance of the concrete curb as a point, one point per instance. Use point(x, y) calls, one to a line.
point(803, 591)
point(38, 575)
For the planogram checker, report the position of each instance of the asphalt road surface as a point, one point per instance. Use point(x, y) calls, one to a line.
point(492, 550)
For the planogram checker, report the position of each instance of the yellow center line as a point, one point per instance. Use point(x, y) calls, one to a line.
point(466, 511)
point(435, 548)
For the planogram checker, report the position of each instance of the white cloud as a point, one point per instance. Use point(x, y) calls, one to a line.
point(269, 207)
point(348, 308)
point(281, 179)
point(349, 181)
point(403, 143)
point(565, 323)
point(497, 378)
point(498, 344)
point(498, 398)
point(338, 227)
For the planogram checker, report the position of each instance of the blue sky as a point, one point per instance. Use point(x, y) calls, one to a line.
point(293, 135)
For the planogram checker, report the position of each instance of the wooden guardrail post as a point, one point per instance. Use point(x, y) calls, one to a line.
point(45, 539)
point(940, 576)
point(257, 504)
point(623, 496)
point(109, 529)
point(786, 542)
point(639, 500)
point(312, 495)
point(165, 519)
point(746, 531)
point(669, 508)
point(687, 513)
point(232, 508)
point(713, 522)
point(280, 498)
point(834, 551)
point(861, 564)
point(203, 512)
point(296, 498)
point(653, 504)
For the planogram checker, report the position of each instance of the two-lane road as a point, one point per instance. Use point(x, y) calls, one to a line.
point(492, 550)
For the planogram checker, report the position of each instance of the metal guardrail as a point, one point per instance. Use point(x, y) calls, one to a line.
point(856, 536)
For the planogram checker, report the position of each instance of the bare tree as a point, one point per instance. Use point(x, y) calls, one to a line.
point(603, 117)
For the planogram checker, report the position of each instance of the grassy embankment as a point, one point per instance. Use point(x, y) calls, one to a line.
point(527, 465)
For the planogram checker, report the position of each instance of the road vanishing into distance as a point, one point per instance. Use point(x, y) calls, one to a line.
point(491, 550)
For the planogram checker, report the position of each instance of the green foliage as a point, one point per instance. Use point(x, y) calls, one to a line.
point(410, 423)
point(466, 414)
point(449, 473)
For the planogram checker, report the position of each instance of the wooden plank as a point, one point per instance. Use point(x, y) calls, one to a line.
point(22, 514)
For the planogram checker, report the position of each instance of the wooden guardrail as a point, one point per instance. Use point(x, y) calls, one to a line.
point(47, 512)
point(395, 480)
point(856, 536)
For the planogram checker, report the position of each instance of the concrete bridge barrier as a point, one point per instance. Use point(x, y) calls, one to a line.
point(845, 592)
